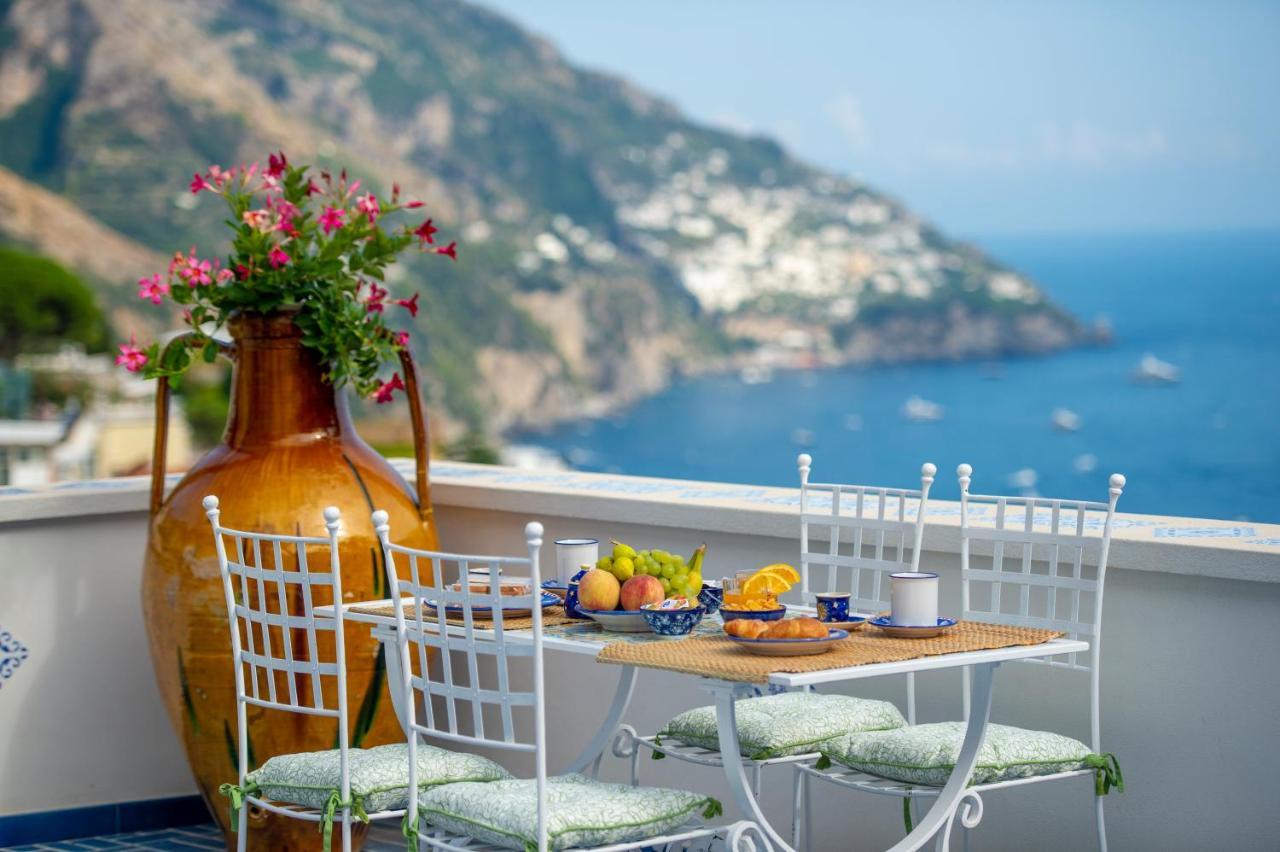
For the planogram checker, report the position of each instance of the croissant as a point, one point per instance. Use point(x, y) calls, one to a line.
point(745, 628)
point(795, 628)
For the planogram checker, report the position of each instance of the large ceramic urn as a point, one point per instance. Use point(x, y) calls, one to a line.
point(289, 451)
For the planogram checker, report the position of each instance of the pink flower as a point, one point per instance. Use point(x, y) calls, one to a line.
point(242, 272)
point(368, 205)
point(450, 251)
point(331, 219)
point(134, 359)
point(224, 275)
point(387, 389)
point(425, 230)
point(413, 205)
point(374, 303)
point(277, 165)
point(270, 182)
point(152, 288)
point(195, 270)
point(199, 184)
point(278, 257)
point(402, 339)
point(410, 305)
point(259, 220)
point(313, 188)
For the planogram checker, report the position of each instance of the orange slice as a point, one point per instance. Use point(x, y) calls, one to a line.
point(762, 582)
point(784, 571)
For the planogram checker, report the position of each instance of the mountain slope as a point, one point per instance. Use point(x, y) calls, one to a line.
point(607, 241)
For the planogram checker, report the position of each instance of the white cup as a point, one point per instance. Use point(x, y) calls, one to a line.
point(572, 554)
point(913, 599)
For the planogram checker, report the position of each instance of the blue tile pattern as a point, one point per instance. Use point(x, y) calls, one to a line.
point(382, 838)
point(1205, 532)
point(12, 655)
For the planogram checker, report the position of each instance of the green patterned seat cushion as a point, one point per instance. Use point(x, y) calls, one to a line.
point(379, 776)
point(785, 724)
point(580, 812)
point(926, 754)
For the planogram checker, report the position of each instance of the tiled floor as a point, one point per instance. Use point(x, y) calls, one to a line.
point(382, 838)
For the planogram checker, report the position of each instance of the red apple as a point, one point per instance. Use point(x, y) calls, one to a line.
point(640, 590)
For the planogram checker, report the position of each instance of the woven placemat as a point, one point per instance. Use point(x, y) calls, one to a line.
point(719, 657)
point(551, 616)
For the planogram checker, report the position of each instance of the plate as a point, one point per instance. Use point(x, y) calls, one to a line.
point(790, 647)
point(619, 620)
point(556, 588)
point(514, 611)
point(922, 632)
point(849, 624)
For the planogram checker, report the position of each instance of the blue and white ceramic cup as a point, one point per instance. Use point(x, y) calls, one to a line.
point(833, 606)
point(571, 597)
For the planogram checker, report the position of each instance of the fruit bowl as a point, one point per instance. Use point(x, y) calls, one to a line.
point(619, 620)
point(672, 622)
point(729, 614)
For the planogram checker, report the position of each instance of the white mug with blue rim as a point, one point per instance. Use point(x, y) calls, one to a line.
point(913, 599)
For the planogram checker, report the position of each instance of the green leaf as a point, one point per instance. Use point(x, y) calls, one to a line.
point(210, 352)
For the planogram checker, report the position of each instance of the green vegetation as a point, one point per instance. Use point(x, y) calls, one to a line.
point(43, 306)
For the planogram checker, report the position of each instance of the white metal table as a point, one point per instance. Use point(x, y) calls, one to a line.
point(940, 815)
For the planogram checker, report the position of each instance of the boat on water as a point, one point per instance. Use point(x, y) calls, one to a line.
point(1152, 371)
point(1024, 479)
point(802, 437)
point(921, 410)
point(1065, 420)
point(756, 374)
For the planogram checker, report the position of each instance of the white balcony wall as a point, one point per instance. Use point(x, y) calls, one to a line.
point(1189, 672)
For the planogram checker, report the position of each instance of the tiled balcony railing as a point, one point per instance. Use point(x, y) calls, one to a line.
point(1189, 685)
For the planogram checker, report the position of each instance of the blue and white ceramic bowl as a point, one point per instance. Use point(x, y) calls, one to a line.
point(754, 614)
point(711, 597)
point(571, 608)
point(672, 622)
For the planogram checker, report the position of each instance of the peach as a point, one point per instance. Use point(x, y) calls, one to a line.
point(640, 590)
point(599, 590)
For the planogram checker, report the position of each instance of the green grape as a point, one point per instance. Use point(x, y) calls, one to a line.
point(662, 556)
point(668, 571)
point(682, 572)
point(678, 560)
point(605, 563)
point(666, 586)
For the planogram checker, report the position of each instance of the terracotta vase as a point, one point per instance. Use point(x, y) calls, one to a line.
point(289, 450)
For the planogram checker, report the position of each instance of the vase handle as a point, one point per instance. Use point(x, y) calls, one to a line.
point(160, 446)
point(421, 435)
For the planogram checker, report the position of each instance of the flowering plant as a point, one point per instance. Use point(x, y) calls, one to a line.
point(317, 246)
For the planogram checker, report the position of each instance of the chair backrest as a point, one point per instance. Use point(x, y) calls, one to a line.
point(284, 655)
point(1048, 567)
point(461, 676)
point(870, 534)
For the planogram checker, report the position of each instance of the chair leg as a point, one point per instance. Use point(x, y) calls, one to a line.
point(797, 802)
point(808, 814)
point(242, 828)
point(346, 830)
point(635, 765)
point(756, 779)
point(1102, 825)
point(964, 836)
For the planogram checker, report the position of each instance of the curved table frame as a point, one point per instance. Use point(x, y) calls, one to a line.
point(761, 834)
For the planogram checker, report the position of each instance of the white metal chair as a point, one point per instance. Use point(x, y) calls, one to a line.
point(457, 683)
point(882, 535)
point(300, 573)
point(1050, 579)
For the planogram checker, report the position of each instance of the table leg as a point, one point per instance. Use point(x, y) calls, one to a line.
point(731, 758)
point(941, 815)
point(391, 654)
point(594, 750)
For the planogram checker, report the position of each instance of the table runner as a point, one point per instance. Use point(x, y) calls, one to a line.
point(719, 657)
point(551, 616)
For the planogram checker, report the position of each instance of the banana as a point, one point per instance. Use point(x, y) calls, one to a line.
point(695, 561)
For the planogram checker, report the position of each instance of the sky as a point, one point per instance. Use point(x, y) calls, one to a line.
point(984, 117)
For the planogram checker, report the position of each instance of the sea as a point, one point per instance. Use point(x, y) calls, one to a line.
point(1207, 446)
